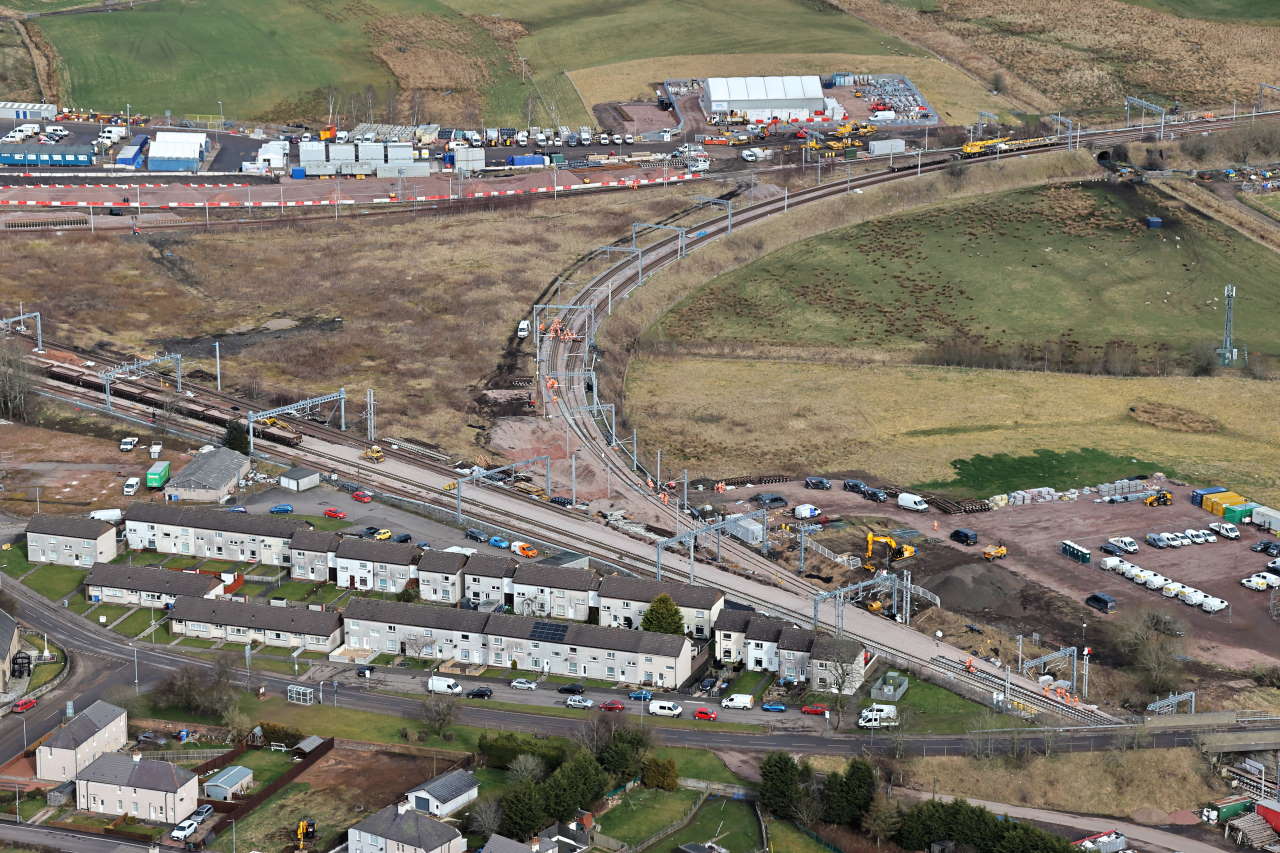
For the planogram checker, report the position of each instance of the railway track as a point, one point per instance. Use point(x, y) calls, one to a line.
point(337, 451)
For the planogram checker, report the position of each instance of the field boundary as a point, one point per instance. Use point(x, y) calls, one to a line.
point(1225, 213)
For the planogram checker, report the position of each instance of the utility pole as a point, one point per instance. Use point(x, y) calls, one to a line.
point(370, 410)
point(573, 476)
point(217, 353)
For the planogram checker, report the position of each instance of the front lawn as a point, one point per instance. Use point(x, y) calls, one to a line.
point(267, 765)
point(179, 561)
point(320, 522)
point(644, 811)
point(284, 666)
point(755, 683)
point(109, 612)
point(138, 621)
point(45, 672)
point(251, 590)
point(293, 590)
point(55, 582)
point(13, 562)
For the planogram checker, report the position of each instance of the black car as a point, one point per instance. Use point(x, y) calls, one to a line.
point(571, 689)
point(480, 693)
point(1108, 548)
point(855, 486)
point(817, 483)
point(477, 535)
point(369, 531)
point(403, 537)
point(707, 684)
point(876, 495)
point(560, 500)
point(1271, 549)
point(769, 500)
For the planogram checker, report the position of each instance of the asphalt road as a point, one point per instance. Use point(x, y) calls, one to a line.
point(71, 842)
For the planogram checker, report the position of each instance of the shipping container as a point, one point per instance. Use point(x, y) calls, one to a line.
point(1197, 495)
point(1239, 513)
point(1229, 807)
point(526, 160)
point(158, 475)
point(1268, 810)
point(1218, 502)
point(130, 157)
point(298, 173)
point(1266, 518)
point(879, 147)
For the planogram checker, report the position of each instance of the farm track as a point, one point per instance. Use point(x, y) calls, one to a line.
point(543, 522)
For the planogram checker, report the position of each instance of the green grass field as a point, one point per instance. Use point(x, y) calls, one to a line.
point(698, 764)
point(55, 582)
point(267, 766)
point(785, 836)
point(644, 811)
point(1020, 267)
point(1000, 472)
point(108, 612)
point(138, 621)
point(1254, 11)
point(928, 709)
point(186, 55)
point(13, 562)
point(730, 823)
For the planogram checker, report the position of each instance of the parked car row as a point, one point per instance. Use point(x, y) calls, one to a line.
point(1176, 539)
point(1153, 580)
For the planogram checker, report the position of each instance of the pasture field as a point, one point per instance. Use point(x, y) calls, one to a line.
point(911, 424)
point(567, 35)
point(1215, 10)
point(1017, 267)
point(271, 60)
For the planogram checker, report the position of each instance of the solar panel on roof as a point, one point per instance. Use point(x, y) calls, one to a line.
point(551, 632)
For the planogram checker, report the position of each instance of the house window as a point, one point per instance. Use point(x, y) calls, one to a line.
point(573, 668)
point(648, 659)
point(466, 638)
point(626, 605)
point(497, 641)
point(197, 626)
point(573, 650)
point(610, 655)
point(535, 645)
point(392, 645)
point(353, 623)
point(758, 645)
point(610, 672)
point(497, 657)
point(391, 629)
point(791, 655)
point(725, 635)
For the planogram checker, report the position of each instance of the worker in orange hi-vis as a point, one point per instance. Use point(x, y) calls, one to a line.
point(935, 524)
point(666, 499)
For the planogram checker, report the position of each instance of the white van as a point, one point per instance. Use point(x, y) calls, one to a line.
point(878, 716)
point(111, 516)
point(1113, 564)
point(741, 701)
point(132, 485)
point(1213, 605)
point(1129, 570)
point(806, 511)
point(1124, 543)
point(1157, 581)
point(441, 684)
point(522, 330)
point(915, 503)
point(1141, 576)
point(1173, 589)
point(664, 708)
point(1192, 596)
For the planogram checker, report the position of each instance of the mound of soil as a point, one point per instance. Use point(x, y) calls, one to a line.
point(979, 587)
point(1164, 416)
point(1149, 816)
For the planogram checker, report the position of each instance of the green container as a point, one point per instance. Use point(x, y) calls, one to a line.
point(158, 475)
point(558, 159)
point(1230, 807)
point(1238, 513)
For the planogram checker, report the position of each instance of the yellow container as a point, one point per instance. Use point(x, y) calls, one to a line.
point(1222, 500)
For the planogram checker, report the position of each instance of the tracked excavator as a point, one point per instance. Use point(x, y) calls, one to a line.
point(896, 552)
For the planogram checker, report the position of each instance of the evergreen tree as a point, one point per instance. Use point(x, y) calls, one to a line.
point(660, 773)
point(236, 437)
point(663, 617)
point(522, 813)
point(835, 801)
point(779, 784)
point(859, 789)
point(882, 820)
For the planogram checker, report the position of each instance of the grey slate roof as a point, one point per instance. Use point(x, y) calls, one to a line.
point(441, 562)
point(217, 469)
point(244, 523)
point(766, 629)
point(151, 579)
point(733, 620)
point(502, 844)
point(319, 541)
point(641, 589)
point(490, 566)
point(412, 828)
point(828, 648)
point(299, 473)
point(374, 551)
point(449, 786)
point(795, 640)
point(418, 615)
point(75, 526)
point(297, 620)
point(540, 574)
point(308, 743)
point(116, 768)
point(84, 725)
point(8, 628)
point(591, 636)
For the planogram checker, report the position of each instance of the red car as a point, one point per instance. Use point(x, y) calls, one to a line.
point(818, 710)
point(334, 513)
point(362, 497)
point(23, 705)
point(612, 705)
point(704, 714)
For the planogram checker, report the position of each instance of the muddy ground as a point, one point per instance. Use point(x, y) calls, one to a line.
point(1036, 589)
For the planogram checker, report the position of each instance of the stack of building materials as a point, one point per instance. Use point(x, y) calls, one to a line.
point(1252, 829)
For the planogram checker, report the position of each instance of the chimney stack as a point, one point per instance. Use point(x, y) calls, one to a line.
point(136, 756)
point(402, 806)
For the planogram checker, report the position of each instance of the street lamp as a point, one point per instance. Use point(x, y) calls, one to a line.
point(221, 116)
point(135, 667)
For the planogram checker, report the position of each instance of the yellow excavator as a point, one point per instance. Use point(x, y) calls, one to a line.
point(278, 424)
point(896, 552)
point(1160, 498)
point(373, 454)
point(994, 552)
point(306, 831)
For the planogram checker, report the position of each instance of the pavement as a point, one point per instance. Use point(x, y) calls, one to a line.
point(62, 840)
point(1154, 840)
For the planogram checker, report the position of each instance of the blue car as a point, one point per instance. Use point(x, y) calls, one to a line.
point(642, 695)
point(499, 542)
point(424, 545)
point(236, 509)
point(282, 509)
point(773, 706)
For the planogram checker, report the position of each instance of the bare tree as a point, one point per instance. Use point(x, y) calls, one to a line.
point(485, 817)
point(438, 713)
point(525, 768)
point(18, 400)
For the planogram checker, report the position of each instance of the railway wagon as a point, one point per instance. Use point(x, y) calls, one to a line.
point(158, 398)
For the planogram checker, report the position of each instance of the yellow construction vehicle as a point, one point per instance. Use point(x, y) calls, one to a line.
point(839, 144)
point(306, 831)
point(812, 143)
point(981, 146)
point(278, 424)
point(373, 454)
point(875, 605)
point(867, 129)
point(896, 551)
point(1160, 498)
point(844, 130)
point(994, 552)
